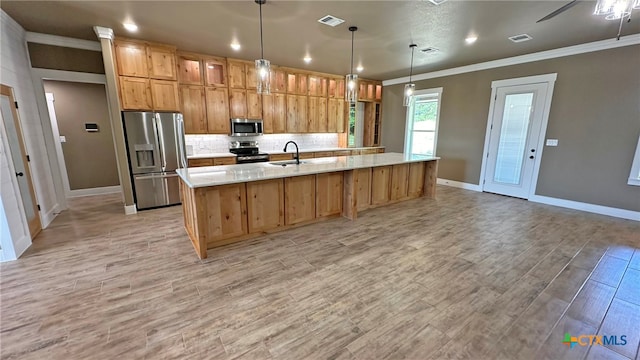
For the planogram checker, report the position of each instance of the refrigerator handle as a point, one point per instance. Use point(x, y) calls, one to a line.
point(161, 142)
point(181, 142)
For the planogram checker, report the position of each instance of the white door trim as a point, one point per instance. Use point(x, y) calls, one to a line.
point(546, 78)
point(51, 111)
point(407, 118)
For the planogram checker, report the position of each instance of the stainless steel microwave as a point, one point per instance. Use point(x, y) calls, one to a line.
point(246, 127)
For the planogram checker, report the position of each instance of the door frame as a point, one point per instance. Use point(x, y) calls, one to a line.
point(549, 79)
point(35, 230)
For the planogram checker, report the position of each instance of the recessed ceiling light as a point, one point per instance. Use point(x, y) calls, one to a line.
point(359, 68)
point(437, 2)
point(471, 39)
point(307, 59)
point(131, 26)
point(235, 46)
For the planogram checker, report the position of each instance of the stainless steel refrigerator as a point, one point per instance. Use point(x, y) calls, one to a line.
point(156, 148)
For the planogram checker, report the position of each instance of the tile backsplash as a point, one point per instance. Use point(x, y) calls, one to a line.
point(207, 144)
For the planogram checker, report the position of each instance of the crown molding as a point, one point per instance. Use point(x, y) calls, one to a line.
point(103, 32)
point(63, 41)
point(521, 59)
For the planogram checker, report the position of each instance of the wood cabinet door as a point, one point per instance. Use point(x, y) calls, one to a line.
point(336, 88)
point(278, 80)
point(363, 188)
point(135, 93)
point(416, 179)
point(215, 71)
point(131, 59)
point(225, 209)
point(162, 63)
point(400, 182)
point(280, 157)
point(302, 85)
point(237, 74)
point(321, 154)
point(200, 162)
point(300, 199)
point(332, 115)
point(217, 111)
point(312, 113)
point(378, 95)
point(292, 84)
point(267, 113)
point(329, 190)
point(274, 112)
point(341, 110)
point(317, 85)
point(194, 111)
point(238, 103)
point(189, 69)
point(322, 119)
point(265, 205)
point(380, 185)
point(231, 160)
point(251, 78)
point(292, 114)
point(301, 117)
point(164, 94)
point(254, 105)
point(368, 124)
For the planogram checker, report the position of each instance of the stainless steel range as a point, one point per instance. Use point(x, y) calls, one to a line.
point(247, 152)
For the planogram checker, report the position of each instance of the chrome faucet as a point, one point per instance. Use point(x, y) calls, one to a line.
point(297, 156)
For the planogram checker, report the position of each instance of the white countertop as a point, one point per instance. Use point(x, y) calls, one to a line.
point(230, 174)
point(227, 154)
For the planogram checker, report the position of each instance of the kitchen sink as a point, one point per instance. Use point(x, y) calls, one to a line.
point(285, 163)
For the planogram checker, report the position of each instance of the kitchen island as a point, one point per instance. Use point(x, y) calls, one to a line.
point(226, 204)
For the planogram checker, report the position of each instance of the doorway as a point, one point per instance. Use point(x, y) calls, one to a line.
point(20, 160)
point(515, 134)
point(80, 124)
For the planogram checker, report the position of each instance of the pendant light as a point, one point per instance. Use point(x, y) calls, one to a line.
point(410, 88)
point(263, 66)
point(351, 80)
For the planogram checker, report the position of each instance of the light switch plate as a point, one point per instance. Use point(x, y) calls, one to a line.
point(63, 139)
point(552, 142)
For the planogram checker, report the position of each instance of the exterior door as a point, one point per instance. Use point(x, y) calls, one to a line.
point(515, 129)
point(19, 159)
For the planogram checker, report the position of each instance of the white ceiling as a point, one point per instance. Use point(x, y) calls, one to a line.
point(291, 30)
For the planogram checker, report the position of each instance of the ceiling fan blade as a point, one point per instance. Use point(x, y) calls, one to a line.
point(559, 11)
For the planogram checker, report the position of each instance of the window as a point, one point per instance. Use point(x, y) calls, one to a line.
point(634, 176)
point(422, 122)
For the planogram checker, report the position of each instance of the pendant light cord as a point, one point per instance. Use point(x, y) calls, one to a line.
point(261, 43)
point(352, 33)
point(411, 68)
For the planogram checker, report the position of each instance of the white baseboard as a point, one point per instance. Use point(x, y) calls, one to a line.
point(48, 217)
point(592, 208)
point(459, 184)
point(130, 209)
point(95, 191)
point(22, 245)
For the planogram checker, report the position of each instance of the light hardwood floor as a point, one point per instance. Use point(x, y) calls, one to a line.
point(468, 275)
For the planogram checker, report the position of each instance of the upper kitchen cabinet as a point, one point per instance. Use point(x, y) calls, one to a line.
point(135, 93)
point(237, 74)
point(297, 83)
point(162, 62)
point(369, 90)
point(254, 105)
point(278, 80)
point(131, 58)
point(189, 69)
point(238, 103)
point(317, 85)
point(336, 88)
point(274, 113)
point(192, 103)
point(215, 71)
point(251, 80)
point(372, 125)
point(218, 111)
point(164, 94)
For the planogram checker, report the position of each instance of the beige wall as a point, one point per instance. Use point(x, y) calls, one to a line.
point(63, 58)
point(89, 156)
point(595, 115)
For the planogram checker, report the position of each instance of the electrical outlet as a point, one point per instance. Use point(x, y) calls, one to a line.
point(552, 142)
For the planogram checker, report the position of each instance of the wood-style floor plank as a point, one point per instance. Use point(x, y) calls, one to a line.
point(466, 276)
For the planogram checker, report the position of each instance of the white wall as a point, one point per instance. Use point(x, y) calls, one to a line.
point(15, 72)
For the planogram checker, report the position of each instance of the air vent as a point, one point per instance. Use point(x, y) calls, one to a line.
point(430, 50)
point(520, 38)
point(330, 20)
point(437, 2)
